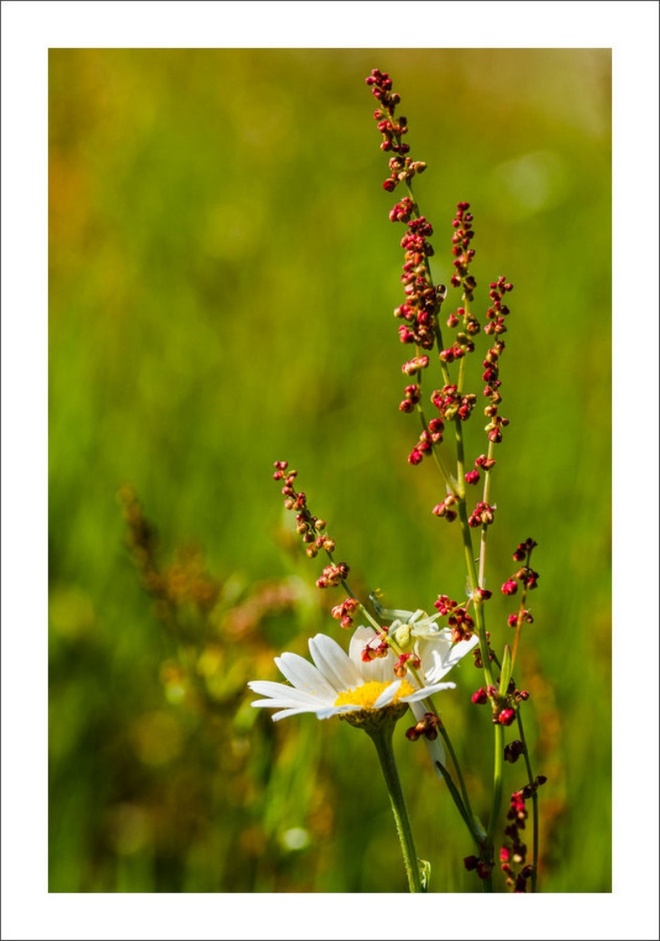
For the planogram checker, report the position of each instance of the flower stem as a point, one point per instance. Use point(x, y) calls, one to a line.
point(535, 806)
point(381, 736)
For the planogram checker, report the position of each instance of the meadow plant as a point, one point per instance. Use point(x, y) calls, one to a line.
point(397, 659)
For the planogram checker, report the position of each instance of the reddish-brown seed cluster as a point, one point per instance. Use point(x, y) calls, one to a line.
point(447, 508)
point(504, 705)
point(497, 310)
point(483, 867)
point(506, 716)
point(514, 850)
point(503, 712)
point(332, 575)
point(403, 210)
point(343, 612)
point(414, 365)
point(451, 404)
point(463, 254)
point(513, 750)
point(476, 654)
point(510, 587)
point(423, 299)
point(412, 395)
point(459, 621)
point(525, 576)
point(429, 436)
point(309, 527)
point(392, 130)
point(404, 661)
point(427, 726)
point(377, 647)
point(482, 515)
point(523, 615)
point(495, 313)
point(487, 463)
point(524, 550)
point(482, 594)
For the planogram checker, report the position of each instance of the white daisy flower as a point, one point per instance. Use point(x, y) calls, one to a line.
point(338, 683)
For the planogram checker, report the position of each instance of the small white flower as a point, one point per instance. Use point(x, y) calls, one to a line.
point(339, 683)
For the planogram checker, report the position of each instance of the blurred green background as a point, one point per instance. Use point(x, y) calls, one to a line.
point(222, 280)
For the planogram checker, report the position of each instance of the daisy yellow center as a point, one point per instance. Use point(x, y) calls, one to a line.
point(366, 695)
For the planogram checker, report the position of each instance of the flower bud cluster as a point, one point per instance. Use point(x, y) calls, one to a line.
point(514, 850)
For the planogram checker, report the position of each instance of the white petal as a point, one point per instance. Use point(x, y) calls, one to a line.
point(440, 656)
point(285, 713)
point(328, 711)
point(427, 691)
point(334, 663)
point(281, 691)
point(302, 700)
point(387, 695)
point(304, 676)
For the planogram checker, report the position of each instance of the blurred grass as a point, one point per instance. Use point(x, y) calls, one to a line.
point(222, 276)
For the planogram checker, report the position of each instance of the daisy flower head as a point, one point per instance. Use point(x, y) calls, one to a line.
point(344, 684)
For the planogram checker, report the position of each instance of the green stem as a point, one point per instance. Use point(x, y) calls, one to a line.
point(472, 821)
point(381, 736)
point(498, 765)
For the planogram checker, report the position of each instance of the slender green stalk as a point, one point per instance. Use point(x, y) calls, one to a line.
point(498, 765)
point(381, 736)
point(535, 805)
point(472, 821)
